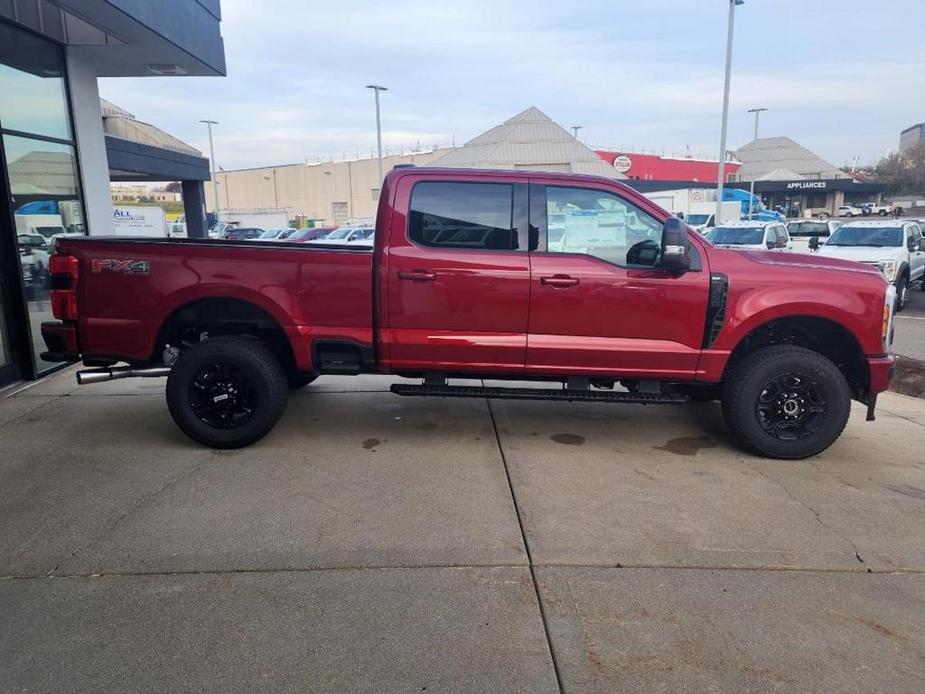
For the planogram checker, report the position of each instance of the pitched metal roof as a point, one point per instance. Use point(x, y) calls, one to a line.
point(765, 156)
point(531, 140)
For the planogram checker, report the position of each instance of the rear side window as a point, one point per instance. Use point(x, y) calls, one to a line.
point(446, 214)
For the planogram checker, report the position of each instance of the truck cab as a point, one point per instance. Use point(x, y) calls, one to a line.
point(751, 235)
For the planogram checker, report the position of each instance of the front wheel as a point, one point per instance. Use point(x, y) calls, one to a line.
point(786, 402)
point(902, 294)
point(227, 392)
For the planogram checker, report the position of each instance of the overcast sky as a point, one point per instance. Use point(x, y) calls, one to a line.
point(841, 77)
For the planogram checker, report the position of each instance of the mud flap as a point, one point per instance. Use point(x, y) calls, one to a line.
point(871, 406)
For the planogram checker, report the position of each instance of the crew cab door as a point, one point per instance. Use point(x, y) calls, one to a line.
point(458, 275)
point(600, 304)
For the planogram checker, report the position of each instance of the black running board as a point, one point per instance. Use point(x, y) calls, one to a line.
point(442, 391)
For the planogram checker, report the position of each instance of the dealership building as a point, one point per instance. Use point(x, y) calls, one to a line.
point(789, 177)
point(60, 148)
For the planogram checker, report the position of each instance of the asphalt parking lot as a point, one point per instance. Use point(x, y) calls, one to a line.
point(910, 327)
point(379, 544)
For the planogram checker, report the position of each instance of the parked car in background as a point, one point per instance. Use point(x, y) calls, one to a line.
point(849, 211)
point(873, 208)
point(38, 247)
point(242, 233)
point(803, 231)
point(276, 234)
point(753, 236)
point(311, 234)
point(345, 235)
point(897, 248)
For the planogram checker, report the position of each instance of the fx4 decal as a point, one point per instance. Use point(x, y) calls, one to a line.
point(126, 267)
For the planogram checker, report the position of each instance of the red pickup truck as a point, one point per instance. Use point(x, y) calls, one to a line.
point(576, 282)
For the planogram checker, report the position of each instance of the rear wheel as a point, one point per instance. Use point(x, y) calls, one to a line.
point(227, 392)
point(786, 402)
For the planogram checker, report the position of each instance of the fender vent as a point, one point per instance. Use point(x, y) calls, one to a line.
point(716, 308)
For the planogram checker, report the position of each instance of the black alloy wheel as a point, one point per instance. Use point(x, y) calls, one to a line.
point(791, 406)
point(222, 396)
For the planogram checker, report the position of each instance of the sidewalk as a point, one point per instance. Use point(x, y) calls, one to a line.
point(380, 544)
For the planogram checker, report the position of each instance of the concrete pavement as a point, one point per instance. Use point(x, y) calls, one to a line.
point(374, 543)
point(910, 327)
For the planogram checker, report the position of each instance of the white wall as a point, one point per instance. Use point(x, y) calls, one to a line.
point(91, 142)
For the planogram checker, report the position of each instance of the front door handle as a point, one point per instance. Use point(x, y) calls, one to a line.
point(417, 275)
point(559, 281)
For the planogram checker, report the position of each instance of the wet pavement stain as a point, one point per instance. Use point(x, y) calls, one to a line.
point(687, 445)
point(568, 439)
point(370, 444)
point(906, 490)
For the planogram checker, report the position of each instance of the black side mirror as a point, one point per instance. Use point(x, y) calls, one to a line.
point(675, 246)
point(771, 244)
point(814, 243)
point(912, 245)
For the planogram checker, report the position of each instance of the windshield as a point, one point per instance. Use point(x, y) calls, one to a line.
point(737, 236)
point(270, 234)
point(697, 219)
point(808, 229)
point(876, 237)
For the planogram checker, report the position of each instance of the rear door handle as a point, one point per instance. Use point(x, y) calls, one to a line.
point(417, 275)
point(559, 281)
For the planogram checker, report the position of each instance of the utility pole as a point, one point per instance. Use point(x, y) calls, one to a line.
point(575, 129)
point(378, 88)
point(751, 183)
point(209, 124)
point(721, 178)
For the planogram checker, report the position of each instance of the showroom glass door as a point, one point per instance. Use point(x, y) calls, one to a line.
point(41, 188)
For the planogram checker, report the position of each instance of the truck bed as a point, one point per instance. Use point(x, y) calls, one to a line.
point(311, 290)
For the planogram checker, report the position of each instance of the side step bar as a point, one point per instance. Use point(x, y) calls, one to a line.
point(445, 391)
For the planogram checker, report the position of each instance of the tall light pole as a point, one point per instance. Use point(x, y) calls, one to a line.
point(209, 124)
point(751, 183)
point(378, 88)
point(722, 137)
point(575, 129)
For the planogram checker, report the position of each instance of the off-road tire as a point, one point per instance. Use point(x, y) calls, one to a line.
point(268, 387)
point(746, 381)
point(300, 379)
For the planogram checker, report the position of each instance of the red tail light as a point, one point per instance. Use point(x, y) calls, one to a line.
point(64, 273)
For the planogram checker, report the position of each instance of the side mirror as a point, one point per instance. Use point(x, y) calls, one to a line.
point(814, 243)
point(675, 246)
point(771, 244)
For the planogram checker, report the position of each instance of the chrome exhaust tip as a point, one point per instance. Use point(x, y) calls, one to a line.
point(88, 376)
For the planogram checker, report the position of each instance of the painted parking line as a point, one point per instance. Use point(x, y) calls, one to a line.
point(910, 317)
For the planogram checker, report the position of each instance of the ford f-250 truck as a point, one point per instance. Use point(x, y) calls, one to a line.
point(575, 281)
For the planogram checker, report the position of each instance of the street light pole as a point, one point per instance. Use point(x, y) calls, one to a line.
point(378, 88)
point(722, 138)
point(209, 124)
point(751, 183)
point(575, 129)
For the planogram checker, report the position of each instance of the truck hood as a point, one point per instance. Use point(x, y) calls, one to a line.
point(862, 254)
point(815, 261)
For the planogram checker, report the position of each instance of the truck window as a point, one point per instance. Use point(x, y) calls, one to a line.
point(449, 214)
point(594, 222)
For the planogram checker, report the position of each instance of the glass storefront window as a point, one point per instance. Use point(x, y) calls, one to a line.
point(32, 84)
point(39, 175)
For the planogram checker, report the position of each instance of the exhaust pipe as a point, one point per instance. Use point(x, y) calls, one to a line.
point(114, 373)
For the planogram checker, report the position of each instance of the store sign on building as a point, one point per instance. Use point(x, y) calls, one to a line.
point(807, 185)
point(622, 163)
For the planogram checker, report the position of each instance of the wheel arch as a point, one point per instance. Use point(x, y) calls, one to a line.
point(224, 315)
point(822, 335)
